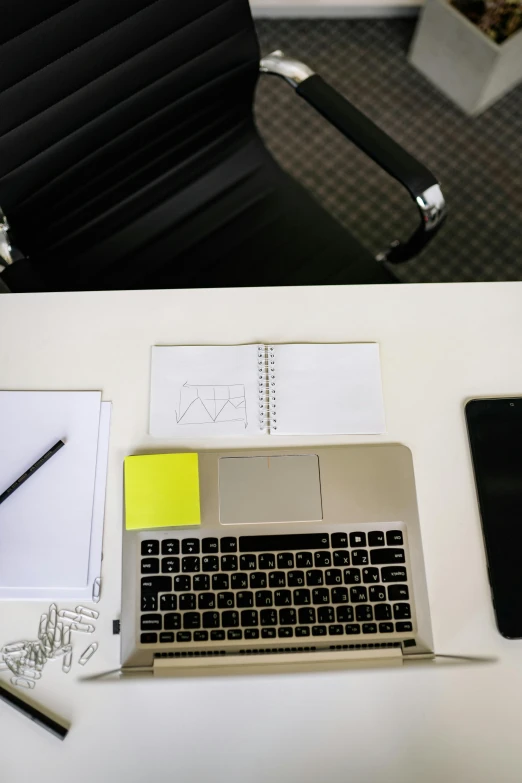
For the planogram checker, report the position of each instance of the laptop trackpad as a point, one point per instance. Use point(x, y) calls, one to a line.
point(269, 489)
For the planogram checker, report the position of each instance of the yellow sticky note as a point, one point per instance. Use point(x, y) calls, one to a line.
point(161, 490)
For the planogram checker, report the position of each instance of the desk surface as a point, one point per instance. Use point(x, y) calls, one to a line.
point(440, 344)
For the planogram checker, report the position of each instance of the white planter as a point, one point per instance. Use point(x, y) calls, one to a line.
point(461, 60)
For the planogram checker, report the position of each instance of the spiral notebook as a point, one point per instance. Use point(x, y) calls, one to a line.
point(294, 389)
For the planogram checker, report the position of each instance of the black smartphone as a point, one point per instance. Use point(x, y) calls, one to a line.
point(495, 434)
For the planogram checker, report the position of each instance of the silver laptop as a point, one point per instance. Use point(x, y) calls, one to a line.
point(305, 558)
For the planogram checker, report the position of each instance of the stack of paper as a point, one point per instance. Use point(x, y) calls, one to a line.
point(51, 527)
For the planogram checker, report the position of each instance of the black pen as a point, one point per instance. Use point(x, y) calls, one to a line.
point(33, 714)
point(48, 454)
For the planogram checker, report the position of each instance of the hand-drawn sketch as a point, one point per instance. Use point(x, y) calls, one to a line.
point(211, 404)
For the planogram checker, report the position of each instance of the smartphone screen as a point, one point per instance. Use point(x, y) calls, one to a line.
point(495, 433)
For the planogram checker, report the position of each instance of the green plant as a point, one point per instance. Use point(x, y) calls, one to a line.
point(497, 18)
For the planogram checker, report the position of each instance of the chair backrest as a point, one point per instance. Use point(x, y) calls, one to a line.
point(104, 100)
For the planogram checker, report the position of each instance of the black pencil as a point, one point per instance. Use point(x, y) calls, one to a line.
point(33, 714)
point(28, 473)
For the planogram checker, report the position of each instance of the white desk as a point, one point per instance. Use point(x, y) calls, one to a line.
point(439, 344)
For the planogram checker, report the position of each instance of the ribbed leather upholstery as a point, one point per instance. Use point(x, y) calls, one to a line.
point(129, 157)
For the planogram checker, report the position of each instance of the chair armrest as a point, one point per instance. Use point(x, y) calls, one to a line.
point(413, 175)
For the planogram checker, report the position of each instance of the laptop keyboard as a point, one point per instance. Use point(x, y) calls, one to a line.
point(254, 588)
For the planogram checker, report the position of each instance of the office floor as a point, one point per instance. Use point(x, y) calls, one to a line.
point(478, 161)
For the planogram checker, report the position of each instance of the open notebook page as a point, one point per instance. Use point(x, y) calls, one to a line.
point(328, 389)
point(200, 390)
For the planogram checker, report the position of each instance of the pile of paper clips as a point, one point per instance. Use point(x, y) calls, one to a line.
point(26, 659)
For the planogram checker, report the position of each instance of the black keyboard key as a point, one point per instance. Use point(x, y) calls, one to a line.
point(369, 628)
point(166, 638)
point(393, 574)
point(201, 582)
point(170, 546)
point(325, 614)
point(341, 558)
point(319, 630)
point(251, 633)
point(304, 560)
point(235, 634)
point(287, 617)
point(151, 622)
point(229, 563)
point(285, 633)
point(170, 565)
point(377, 593)
point(172, 622)
point(220, 582)
point(382, 612)
point(149, 548)
point(403, 627)
point(382, 556)
point(225, 600)
point(149, 603)
point(191, 620)
point(302, 597)
point(394, 538)
point(184, 636)
point(277, 579)
point(206, 601)
point(370, 575)
point(210, 563)
point(376, 538)
point(263, 598)
point(401, 612)
point(398, 593)
point(190, 565)
point(352, 576)
point(360, 557)
point(385, 627)
point(322, 559)
point(306, 616)
point(248, 562)
point(230, 619)
point(321, 595)
point(150, 565)
point(156, 584)
point(200, 636)
point(285, 560)
point(351, 629)
point(363, 612)
point(230, 545)
point(357, 539)
point(339, 540)
point(335, 630)
point(291, 541)
point(268, 633)
point(169, 602)
point(344, 614)
point(296, 578)
point(210, 546)
point(249, 617)
point(340, 595)
point(190, 546)
point(267, 562)
point(187, 602)
point(182, 583)
point(358, 595)
point(239, 581)
point(333, 576)
point(210, 620)
point(148, 638)
point(283, 597)
point(257, 580)
point(314, 578)
point(302, 631)
point(268, 616)
point(217, 636)
point(244, 599)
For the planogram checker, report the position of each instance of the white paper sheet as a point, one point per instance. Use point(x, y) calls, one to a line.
point(204, 390)
point(328, 389)
point(45, 526)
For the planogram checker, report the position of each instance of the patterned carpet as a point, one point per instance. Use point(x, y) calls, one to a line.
point(478, 161)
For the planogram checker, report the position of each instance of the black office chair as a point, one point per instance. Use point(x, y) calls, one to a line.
point(129, 156)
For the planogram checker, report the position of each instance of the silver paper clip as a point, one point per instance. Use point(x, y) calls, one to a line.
point(92, 613)
point(96, 589)
point(22, 682)
point(88, 653)
point(82, 628)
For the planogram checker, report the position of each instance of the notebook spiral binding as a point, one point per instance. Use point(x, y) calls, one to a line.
point(266, 365)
